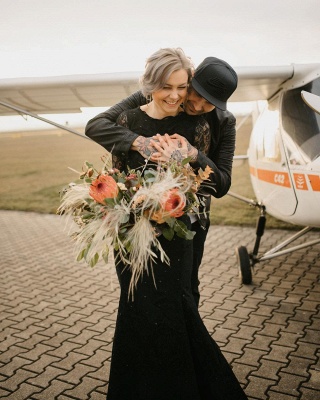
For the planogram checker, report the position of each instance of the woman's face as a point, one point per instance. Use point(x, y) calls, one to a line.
point(168, 99)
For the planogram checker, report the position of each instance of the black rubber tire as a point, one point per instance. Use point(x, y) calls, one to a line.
point(244, 264)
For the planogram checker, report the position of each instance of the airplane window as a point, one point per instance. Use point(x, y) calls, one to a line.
point(266, 134)
point(301, 125)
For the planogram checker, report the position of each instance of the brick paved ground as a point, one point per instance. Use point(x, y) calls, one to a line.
point(58, 316)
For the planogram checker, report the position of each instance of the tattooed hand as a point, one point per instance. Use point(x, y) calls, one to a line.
point(143, 146)
point(168, 149)
point(192, 151)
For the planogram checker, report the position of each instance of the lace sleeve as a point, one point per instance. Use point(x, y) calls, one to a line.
point(202, 136)
point(123, 119)
point(119, 161)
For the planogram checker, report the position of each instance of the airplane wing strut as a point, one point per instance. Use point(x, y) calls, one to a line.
point(25, 112)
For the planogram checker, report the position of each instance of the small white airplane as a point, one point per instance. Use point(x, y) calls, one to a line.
point(284, 149)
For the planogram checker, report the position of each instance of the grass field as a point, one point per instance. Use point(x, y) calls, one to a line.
point(34, 167)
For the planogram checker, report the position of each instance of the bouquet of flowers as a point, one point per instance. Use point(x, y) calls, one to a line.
point(128, 211)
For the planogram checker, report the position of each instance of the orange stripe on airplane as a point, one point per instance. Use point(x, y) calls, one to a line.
point(274, 177)
point(300, 181)
point(253, 171)
point(315, 182)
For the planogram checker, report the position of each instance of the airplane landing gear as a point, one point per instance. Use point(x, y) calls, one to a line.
point(244, 264)
point(245, 260)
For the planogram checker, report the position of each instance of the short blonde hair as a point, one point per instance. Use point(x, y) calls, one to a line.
point(159, 67)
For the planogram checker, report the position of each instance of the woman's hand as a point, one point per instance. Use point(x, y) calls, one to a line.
point(169, 148)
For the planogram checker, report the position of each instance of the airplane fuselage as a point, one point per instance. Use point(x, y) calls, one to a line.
point(284, 157)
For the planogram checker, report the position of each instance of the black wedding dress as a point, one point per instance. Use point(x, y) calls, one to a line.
point(161, 349)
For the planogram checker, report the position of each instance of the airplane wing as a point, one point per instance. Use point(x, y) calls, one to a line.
point(63, 94)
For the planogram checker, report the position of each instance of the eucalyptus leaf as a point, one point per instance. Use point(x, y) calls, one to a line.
point(168, 233)
point(105, 255)
point(185, 161)
point(182, 230)
point(109, 202)
point(94, 260)
point(81, 255)
point(171, 222)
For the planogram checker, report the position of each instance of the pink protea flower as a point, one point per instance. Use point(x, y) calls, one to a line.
point(104, 187)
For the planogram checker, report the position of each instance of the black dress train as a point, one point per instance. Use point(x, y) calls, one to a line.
point(162, 349)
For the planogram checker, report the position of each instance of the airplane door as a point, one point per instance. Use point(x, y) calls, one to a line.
point(270, 175)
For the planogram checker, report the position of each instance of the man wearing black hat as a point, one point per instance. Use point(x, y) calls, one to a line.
point(213, 83)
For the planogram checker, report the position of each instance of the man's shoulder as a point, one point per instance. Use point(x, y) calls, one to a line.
point(220, 117)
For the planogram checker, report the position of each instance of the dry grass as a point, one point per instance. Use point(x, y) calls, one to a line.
point(35, 167)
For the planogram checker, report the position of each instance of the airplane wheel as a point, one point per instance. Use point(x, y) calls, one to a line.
point(244, 265)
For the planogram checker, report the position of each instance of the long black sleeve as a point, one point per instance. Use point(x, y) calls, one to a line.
point(220, 157)
point(103, 128)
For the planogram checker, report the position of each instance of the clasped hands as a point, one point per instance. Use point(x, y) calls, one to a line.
point(163, 148)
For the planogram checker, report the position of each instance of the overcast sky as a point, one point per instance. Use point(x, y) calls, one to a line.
point(62, 37)
point(57, 37)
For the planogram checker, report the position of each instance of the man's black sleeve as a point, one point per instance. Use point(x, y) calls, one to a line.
point(220, 158)
point(103, 128)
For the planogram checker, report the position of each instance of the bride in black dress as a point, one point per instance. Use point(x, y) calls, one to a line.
point(161, 349)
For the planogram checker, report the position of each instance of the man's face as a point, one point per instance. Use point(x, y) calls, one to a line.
point(196, 105)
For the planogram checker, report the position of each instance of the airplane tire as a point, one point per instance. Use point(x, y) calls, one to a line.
point(244, 265)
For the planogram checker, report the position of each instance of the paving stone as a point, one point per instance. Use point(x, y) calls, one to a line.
point(46, 376)
point(41, 363)
point(90, 347)
point(245, 332)
point(261, 342)
point(298, 366)
point(309, 394)
point(289, 384)
point(230, 322)
point(4, 393)
point(82, 391)
point(294, 327)
point(11, 367)
point(306, 350)
point(279, 353)
point(255, 320)
point(288, 339)
point(235, 345)
point(268, 369)
point(97, 396)
point(25, 391)
point(279, 318)
point(14, 381)
point(55, 388)
point(258, 387)
point(242, 313)
point(70, 360)
point(311, 336)
point(77, 373)
point(101, 373)
point(281, 396)
point(314, 380)
point(37, 351)
point(251, 357)
point(242, 371)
